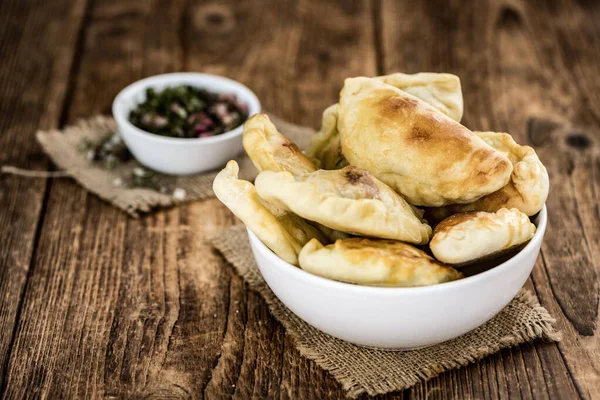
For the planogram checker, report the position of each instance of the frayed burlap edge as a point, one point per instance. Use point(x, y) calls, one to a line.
point(62, 147)
point(239, 254)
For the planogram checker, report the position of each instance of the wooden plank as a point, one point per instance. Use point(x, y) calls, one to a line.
point(555, 114)
point(295, 60)
point(289, 70)
point(37, 43)
point(526, 69)
point(118, 307)
point(85, 263)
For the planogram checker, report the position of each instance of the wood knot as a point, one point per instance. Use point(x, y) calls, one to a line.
point(509, 17)
point(214, 18)
point(578, 141)
point(323, 56)
point(173, 391)
point(540, 130)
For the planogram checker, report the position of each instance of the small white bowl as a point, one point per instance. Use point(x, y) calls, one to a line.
point(398, 318)
point(173, 155)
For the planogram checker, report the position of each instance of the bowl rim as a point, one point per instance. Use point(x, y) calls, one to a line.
point(194, 78)
point(384, 290)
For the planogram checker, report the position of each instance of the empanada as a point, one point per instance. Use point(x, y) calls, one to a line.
point(442, 91)
point(526, 191)
point(329, 233)
point(375, 262)
point(325, 146)
point(283, 232)
point(348, 199)
point(466, 237)
point(421, 153)
point(269, 150)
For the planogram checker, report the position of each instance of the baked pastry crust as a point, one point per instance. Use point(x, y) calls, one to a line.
point(421, 153)
point(281, 231)
point(374, 262)
point(269, 150)
point(442, 91)
point(468, 237)
point(349, 200)
point(526, 191)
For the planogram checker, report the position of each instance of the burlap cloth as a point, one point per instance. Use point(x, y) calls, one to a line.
point(361, 370)
point(64, 148)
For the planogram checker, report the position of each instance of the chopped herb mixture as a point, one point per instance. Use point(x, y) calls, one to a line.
point(110, 150)
point(188, 112)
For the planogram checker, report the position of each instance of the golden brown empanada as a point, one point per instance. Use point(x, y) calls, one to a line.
point(348, 199)
point(269, 150)
point(442, 91)
point(526, 191)
point(331, 234)
point(283, 232)
point(325, 146)
point(374, 262)
point(421, 153)
point(467, 237)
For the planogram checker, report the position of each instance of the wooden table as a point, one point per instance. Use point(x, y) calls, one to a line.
point(96, 304)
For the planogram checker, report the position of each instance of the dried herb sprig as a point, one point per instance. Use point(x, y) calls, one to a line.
point(110, 150)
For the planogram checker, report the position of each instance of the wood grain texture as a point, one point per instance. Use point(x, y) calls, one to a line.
point(97, 305)
point(37, 46)
point(124, 308)
point(521, 67)
point(60, 348)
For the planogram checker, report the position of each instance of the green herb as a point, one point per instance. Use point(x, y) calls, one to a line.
point(144, 178)
point(188, 112)
point(110, 150)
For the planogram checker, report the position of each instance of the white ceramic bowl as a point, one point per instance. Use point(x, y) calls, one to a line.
point(173, 155)
point(398, 318)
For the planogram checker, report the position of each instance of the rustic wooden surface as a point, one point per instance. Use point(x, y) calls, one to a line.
point(94, 304)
